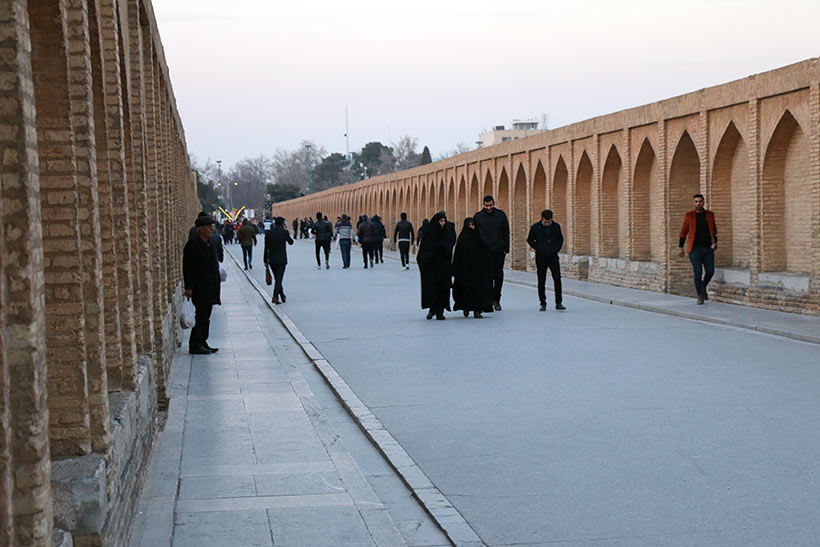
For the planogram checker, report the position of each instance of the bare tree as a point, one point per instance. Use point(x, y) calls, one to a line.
point(460, 148)
point(291, 166)
point(404, 153)
point(246, 181)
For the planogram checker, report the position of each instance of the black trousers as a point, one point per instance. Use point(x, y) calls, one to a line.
point(554, 264)
point(322, 245)
point(404, 251)
point(199, 334)
point(498, 274)
point(368, 251)
point(379, 254)
point(278, 271)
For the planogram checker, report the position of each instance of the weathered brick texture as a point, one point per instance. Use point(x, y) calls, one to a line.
point(95, 201)
point(619, 185)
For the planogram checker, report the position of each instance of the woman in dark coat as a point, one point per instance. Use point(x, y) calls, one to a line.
point(423, 227)
point(472, 271)
point(433, 258)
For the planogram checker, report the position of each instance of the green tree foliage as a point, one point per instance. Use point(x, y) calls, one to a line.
point(425, 157)
point(206, 192)
point(371, 160)
point(332, 171)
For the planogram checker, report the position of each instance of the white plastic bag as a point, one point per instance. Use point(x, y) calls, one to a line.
point(187, 317)
point(223, 273)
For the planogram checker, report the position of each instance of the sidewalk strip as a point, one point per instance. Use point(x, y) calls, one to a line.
point(446, 516)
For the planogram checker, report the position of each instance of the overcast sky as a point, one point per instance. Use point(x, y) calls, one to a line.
point(251, 76)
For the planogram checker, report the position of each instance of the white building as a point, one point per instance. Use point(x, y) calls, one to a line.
point(499, 133)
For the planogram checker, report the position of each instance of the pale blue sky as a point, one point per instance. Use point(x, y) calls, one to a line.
point(251, 76)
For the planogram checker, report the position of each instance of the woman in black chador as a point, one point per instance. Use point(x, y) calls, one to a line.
point(433, 258)
point(472, 272)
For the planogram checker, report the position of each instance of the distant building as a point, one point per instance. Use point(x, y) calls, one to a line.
point(499, 133)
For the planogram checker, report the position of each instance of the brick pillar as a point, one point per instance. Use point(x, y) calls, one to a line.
point(25, 473)
point(626, 204)
point(112, 333)
point(813, 134)
point(82, 119)
point(117, 141)
point(138, 197)
point(663, 174)
point(69, 426)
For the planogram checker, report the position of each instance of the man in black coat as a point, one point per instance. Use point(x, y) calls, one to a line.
point(200, 270)
point(403, 233)
point(276, 256)
point(367, 238)
point(216, 239)
point(324, 234)
point(546, 238)
point(497, 229)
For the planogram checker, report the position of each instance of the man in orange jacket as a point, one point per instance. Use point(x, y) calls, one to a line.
point(701, 231)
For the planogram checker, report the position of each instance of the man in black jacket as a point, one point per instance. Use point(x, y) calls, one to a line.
point(403, 233)
point(276, 256)
point(200, 271)
point(546, 238)
point(324, 234)
point(497, 229)
point(216, 239)
point(367, 233)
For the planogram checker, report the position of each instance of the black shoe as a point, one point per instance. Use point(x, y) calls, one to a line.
point(497, 306)
point(440, 316)
point(246, 267)
point(700, 299)
point(430, 315)
point(466, 313)
point(705, 295)
point(543, 307)
point(559, 307)
point(209, 348)
point(199, 351)
point(250, 265)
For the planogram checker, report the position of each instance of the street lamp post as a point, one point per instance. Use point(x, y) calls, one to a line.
point(307, 149)
point(219, 179)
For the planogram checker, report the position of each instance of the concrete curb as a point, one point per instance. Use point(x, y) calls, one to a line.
point(446, 516)
point(658, 309)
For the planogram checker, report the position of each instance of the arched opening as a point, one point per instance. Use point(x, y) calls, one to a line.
point(646, 195)
point(423, 204)
point(583, 207)
point(612, 230)
point(684, 182)
point(488, 189)
point(440, 203)
point(450, 206)
point(471, 197)
point(502, 200)
point(539, 192)
point(459, 211)
point(558, 202)
point(731, 199)
point(518, 224)
point(787, 200)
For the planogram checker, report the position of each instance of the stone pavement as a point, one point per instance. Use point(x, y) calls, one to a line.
point(249, 455)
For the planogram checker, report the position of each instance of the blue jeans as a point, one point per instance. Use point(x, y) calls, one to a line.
point(247, 255)
point(344, 246)
point(702, 258)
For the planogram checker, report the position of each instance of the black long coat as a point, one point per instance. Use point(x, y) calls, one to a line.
point(472, 271)
point(433, 258)
point(200, 270)
point(275, 250)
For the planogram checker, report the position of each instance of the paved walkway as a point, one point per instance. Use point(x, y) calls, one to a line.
point(249, 455)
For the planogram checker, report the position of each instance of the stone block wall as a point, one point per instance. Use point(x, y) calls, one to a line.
point(96, 198)
point(620, 184)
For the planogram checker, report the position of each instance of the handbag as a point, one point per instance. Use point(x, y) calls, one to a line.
point(268, 278)
point(187, 316)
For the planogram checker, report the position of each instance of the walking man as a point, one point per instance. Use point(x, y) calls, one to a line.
point(403, 233)
point(381, 234)
point(497, 229)
point(546, 238)
point(700, 230)
point(324, 234)
point(247, 239)
point(344, 231)
point(367, 237)
point(276, 256)
point(200, 271)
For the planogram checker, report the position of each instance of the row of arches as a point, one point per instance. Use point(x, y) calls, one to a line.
point(613, 205)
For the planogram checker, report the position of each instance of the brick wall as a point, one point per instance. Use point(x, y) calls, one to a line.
point(96, 200)
point(619, 185)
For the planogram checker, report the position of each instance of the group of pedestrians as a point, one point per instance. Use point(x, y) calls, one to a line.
point(472, 265)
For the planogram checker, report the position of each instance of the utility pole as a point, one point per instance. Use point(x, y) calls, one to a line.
point(347, 148)
point(307, 149)
point(219, 181)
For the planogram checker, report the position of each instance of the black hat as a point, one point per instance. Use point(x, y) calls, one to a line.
point(204, 220)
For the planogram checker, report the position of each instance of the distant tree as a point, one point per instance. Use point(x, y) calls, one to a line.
point(404, 153)
point(282, 191)
point(291, 166)
point(425, 157)
point(332, 171)
point(372, 158)
point(207, 194)
point(460, 148)
point(246, 181)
